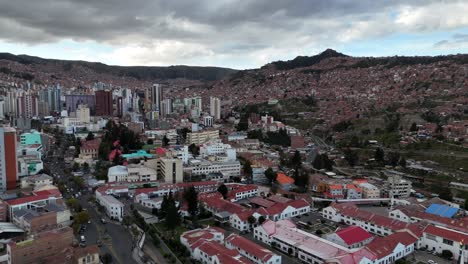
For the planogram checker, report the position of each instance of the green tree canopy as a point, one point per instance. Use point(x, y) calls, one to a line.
point(223, 190)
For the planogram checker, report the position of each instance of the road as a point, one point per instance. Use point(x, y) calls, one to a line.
point(116, 239)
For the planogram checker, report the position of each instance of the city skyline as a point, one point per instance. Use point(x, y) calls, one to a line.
point(230, 34)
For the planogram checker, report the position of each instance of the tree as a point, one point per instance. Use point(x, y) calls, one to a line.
point(106, 258)
point(223, 190)
point(74, 204)
point(251, 220)
point(85, 166)
point(413, 127)
point(445, 194)
point(127, 220)
point(194, 149)
point(296, 160)
point(243, 124)
point(319, 232)
point(76, 166)
point(261, 219)
point(247, 168)
point(402, 162)
point(270, 174)
point(165, 141)
point(81, 217)
point(172, 219)
point(379, 155)
point(322, 161)
point(351, 157)
point(393, 158)
point(150, 141)
point(191, 197)
point(90, 136)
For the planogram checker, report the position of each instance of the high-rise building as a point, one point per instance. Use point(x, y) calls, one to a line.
point(166, 107)
point(215, 108)
point(171, 170)
point(119, 104)
point(2, 110)
point(104, 106)
point(8, 161)
point(73, 100)
point(156, 96)
point(28, 105)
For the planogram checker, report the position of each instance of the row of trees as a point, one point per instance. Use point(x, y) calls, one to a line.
point(280, 138)
point(127, 138)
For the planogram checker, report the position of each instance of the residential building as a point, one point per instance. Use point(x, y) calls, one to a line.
point(171, 170)
point(215, 107)
point(350, 237)
point(131, 173)
point(89, 149)
point(398, 187)
point(438, 239)
point(36, 220)
point(8, 159)
point(104, 104)
point(156, 97)
point(369, 191)
point(201, 137)
point(36, 181)
point(113, 207)
point(38, 247)
point(83, 114)
point(31, 138)
point(251, 250)
point(72, 101)
point(38, 199)
point(199, 167)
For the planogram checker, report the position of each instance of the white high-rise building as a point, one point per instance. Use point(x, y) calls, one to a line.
point(156, 96)
point(215, 108)
point(166, 107)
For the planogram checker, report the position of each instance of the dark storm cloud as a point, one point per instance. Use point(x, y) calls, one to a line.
point(108, 20)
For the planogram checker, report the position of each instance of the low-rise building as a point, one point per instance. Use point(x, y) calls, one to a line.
point(350, 237)
point(36, 181)
point(199, 167)
point(398, 187)
point(369, 191)
point(42, 245)
point(113, 207)
point(201, 137)
point(251, 250)
point(131, 173)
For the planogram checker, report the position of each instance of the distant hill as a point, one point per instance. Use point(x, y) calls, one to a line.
point(147, 73)
point(305, 61)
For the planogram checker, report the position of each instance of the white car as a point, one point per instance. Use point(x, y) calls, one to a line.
point(431, 262)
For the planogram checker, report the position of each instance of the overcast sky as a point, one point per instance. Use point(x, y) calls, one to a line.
point(237, 34)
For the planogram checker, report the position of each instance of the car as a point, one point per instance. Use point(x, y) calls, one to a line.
point(431, 262)
point(103, 220)
point(298, 216)
point(99, 243)
point(89, 221)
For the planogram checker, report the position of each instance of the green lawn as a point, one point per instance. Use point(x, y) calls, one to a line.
point(176, 232)
point(207, 222)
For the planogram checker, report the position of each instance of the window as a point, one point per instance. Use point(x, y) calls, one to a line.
point(448, 242)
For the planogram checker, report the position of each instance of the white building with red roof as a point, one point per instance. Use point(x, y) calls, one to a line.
point(350, 214)
point(438, 239)
point(350, 237)
point(205, 245)
point(251, 250)
point(34, 201)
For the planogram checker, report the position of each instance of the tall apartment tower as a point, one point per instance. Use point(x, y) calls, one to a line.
point(104, 105)
point(215, 108)
point(8, 162)
point(156, 96)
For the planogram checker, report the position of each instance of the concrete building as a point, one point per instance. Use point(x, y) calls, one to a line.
point(42, 245)
point(83, 114)
point(228, 169)
point(156, 97)
point(201, 137)
point(398, 187)
point(215, 107)
point(113, 207)
point(171, 170)
point(252, 251)
point(8, 159)
point(72, 101)
point(369, 191)
point(131, 173)
point(36, 181)
point(104, 104)
point(208, 121)
point(30, 138)
point(350, 237)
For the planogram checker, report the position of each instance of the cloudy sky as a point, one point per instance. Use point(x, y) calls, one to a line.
point(238, 34)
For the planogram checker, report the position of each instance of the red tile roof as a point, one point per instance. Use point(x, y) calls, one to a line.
point(353, 234)
point(446, 233)
point(261, 202)
point(252, 248)
point(283, 179)
point(383, 246)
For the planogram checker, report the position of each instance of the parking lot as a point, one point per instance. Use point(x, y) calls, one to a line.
point(421, 256)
